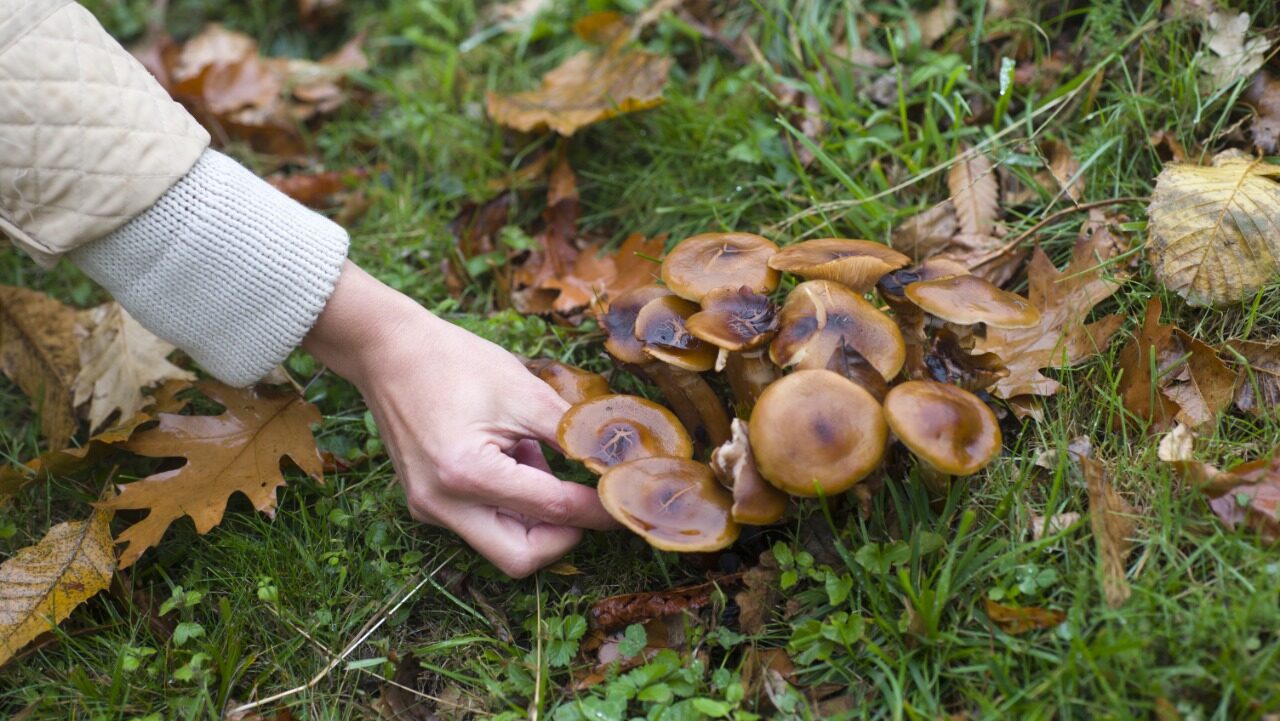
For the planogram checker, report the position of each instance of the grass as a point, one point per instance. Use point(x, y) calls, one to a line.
point(265, 604)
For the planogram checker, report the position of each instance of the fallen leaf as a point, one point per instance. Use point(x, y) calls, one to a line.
point(975, 192)
point(1190, 384)
point(597, 275)
point(40, 352)
point(1246, 495)
point(1042, 526)
point(1111, 518)
point(1065, 298)
point(1264, 95)
point(928, 232)
point(1258, 390)
point(935, 22)
point(1167, 146)
point(600, 28)
point(1235, 55)
point(587, 88)
point(318, 190)
point(618, 612)
point(1212, 239)
point(758, 601)
point(1064, 169)
point(317, 12)
point(40, 585)
point(238, 450)
point(118, 361)
point(1016, 621)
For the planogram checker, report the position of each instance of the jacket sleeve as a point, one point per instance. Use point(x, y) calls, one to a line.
point(99, 164)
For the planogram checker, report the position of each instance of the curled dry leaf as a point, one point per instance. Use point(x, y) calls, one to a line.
point(1111, 518)
point(40, 352)
point(40, 585)
point(238, 450)
point(118, 360)
point(1258, 387)
point(587, 88)
point(618, 612)
point(1042, 526)
point(1264, 95)
point(1246, 495)
point(1213, 238)
point(1016, 621)
point(1234, 54)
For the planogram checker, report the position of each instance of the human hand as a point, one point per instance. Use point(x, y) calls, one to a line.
point(461, 419)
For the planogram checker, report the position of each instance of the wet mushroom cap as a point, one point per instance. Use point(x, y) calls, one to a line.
point(755, 501)
point(673, 503)
point(613, 429)
point(619, 322)
point(969, 299)
point(734, 319)
point(573, 384)
point(700, 264)
point(816, 430)
point(857, 264)
point(947, 427)
point(820, 316)
point(660, 326)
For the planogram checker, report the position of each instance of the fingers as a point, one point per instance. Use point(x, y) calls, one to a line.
point(541, 413)
point(534, 492)
point(529, 453)
point(515, 548)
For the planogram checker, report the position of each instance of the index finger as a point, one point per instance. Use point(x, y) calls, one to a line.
point(538, 494)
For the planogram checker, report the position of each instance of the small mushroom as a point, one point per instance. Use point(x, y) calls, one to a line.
point(703, 263)
point(694, 402)
point(573, 384)
point(619, 322)
point(819, 316)
point(848, 362)
point(660, 325)
point(755, 501)
point(749, 373)
point(734, 319)
point(815, 432)
point(609, 430)
point(856, 264)
point(969, 299)
point(673, 503)
point(950, 429)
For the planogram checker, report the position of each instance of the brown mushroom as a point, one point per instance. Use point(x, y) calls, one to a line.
point(815, 432)
point(609, 430)
point(749, 373)
point(856, 264)
point(734, 319)
point(700, 264)
point(660, 325)
point(673, 503)
point(619, 322)
point(969, 299)
point(694, 402)
point(755, 501)
point(575, 385)
point(851, 364)
point(819, 315)
point(950, 429)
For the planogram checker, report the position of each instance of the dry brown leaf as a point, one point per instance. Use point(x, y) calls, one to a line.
point(1065, 299)
point(40, 585)
point(1235, 55)
point(1111, 518)
point(1213, 229)
point(1016, 621)
point(1042, 526)
point(40, 352)
point(318, 190)
point(118, 360)
point(318, 12)
point(1064, 169)
point(935, 22)
point(1258, 390)
point(585, 89)
point(618, 612)
point(239, 450)
point(601, 28)
point(1246, 495)
point(1264, 95)
point(928, 232)
point(758, 601)
point(975, 193)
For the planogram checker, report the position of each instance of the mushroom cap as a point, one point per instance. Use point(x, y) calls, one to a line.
point(815, 429)
point(755, 502)
point(894, 285)
point(969, 299)
point(674, 503)
point(734, 319)
point(573, 384)
point(619, 322)
point(612, 429)
point(660, 326)
point(857, 264)
point(699, 265)
point(848, 362)
point(947, 427)
point(819, 316)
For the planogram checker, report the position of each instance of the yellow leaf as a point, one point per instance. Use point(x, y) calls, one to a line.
point(40, 352)
point(1215, 230)
point(41, 584)
point(118, 360)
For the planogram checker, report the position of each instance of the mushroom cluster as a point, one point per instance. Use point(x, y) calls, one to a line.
point(822, 382)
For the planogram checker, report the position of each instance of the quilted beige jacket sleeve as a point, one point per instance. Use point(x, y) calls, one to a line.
point(88, 139)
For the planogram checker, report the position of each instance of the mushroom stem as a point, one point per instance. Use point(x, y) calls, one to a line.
point(694, 403)
point(749, 373)
point(938, 483)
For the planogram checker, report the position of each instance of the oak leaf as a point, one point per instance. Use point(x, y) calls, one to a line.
point(587, 88)
point(1111, 518)
point(1065, 298)
point(1258, 390)
point(118, 360)
point(1213, 229)
point(1235, 54)
point(1016, 621)
point(975, 193)
point(238, 450)
point(40, 352)
point(1245, 495)
point(40, 585)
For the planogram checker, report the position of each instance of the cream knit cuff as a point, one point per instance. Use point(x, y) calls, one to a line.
point(223, 266)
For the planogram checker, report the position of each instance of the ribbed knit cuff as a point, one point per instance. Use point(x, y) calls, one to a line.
point(223, 266)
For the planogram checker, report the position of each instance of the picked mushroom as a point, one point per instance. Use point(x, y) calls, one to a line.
point(619, 322)
point(660, 325)
point(820, 316)
point(815, 432)
point(948, 428)
point(575, 385)
point(673, 503)
point(612, 429)
point(969, 299)
point(703, 263)
point(857, 264)
point(755, 501)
